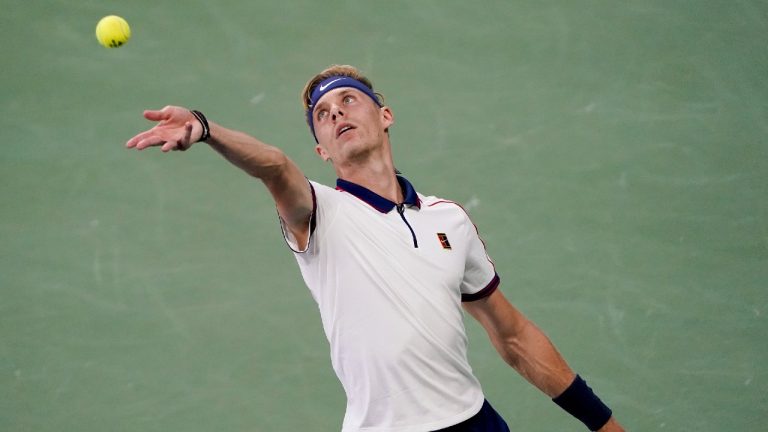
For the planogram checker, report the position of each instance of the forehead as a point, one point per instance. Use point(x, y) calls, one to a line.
point(338, 92)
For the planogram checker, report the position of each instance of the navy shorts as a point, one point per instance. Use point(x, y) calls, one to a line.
point(486, 420)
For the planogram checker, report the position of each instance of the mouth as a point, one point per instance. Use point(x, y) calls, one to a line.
point(343, 128)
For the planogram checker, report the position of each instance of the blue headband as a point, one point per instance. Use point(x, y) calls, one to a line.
point(328, 84)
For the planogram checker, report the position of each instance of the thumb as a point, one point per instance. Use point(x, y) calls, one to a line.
point(157, 115)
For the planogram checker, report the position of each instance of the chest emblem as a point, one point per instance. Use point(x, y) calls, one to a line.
point(444, 241)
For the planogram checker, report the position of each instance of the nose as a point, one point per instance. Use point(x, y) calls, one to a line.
point(336, 112)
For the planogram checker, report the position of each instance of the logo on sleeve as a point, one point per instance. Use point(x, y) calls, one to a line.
point(444, 240)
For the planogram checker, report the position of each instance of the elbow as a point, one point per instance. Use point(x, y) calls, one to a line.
point(272, 165)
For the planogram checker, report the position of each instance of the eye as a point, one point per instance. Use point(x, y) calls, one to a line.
point(348, 99)
point(322, 114)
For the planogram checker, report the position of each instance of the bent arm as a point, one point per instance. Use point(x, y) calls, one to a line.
point(282, 177)
point(525, 347)
point(178, 129)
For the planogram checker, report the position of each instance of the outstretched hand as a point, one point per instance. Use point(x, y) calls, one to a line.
point(174, 131)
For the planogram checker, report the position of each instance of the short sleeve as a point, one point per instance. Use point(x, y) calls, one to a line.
point(480, 277)
point(290, 239)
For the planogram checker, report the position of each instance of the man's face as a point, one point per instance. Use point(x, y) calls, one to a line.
point(348, 124)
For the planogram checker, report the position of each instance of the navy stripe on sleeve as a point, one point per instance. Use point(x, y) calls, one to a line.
point(485, 292)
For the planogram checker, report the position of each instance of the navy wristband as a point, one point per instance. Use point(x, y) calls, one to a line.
point(581, 402)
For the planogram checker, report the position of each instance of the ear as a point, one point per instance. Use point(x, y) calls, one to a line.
point(322, 153)
point(388, 118)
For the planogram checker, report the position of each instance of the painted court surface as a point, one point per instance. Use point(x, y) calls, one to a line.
point(612, 154)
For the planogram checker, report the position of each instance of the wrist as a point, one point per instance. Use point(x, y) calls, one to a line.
point(581, 402)
point(206, 133)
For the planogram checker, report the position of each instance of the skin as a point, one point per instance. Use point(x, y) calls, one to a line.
point(363, 155)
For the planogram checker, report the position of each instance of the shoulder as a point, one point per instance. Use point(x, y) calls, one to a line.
point(323, 192)
point(449, 210)
point(443, 204)
point(326, 198)
point(319, 187)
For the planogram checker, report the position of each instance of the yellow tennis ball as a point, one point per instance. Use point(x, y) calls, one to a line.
point(112, 31)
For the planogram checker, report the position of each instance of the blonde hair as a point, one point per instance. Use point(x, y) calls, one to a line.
point(335, 70)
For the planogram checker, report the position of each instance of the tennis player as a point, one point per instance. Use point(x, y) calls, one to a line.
point(390, 268)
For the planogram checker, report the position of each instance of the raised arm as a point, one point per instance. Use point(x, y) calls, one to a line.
point(529, 351)
point(178, 129)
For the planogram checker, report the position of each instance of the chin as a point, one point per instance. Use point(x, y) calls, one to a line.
point(356, 153)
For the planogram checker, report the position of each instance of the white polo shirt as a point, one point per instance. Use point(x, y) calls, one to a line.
point(389, 281)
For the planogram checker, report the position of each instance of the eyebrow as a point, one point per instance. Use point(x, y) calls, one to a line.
point(344, 92)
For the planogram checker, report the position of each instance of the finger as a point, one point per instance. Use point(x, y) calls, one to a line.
point(184, 142)
point(131, 143)
point(169, 145)
point(157, 115)
point(187, 140)
point(173, 144)
point(149, 141)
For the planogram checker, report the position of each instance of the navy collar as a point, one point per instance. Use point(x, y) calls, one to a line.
point(377, 201)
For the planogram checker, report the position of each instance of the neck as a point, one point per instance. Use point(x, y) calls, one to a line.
point(377, 175)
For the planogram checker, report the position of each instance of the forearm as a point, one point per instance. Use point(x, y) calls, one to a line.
point(280, 175)
point(534, 356)
point(247, 153)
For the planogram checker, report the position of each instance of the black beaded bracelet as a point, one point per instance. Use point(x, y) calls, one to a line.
point(204, 123)
point(581, 402)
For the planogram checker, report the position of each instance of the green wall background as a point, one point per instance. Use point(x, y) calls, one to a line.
point(613, 155)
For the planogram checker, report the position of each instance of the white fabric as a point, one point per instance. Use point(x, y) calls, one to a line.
point(392, 312)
